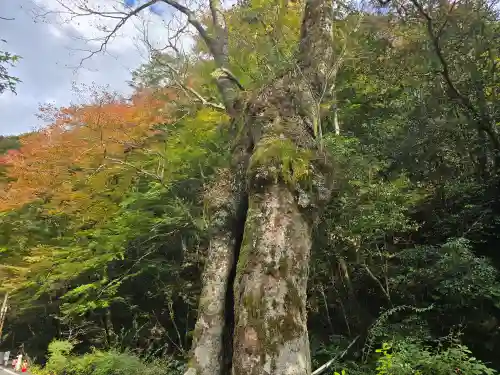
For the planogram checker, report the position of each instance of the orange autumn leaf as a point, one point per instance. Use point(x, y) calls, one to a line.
point(77, 146)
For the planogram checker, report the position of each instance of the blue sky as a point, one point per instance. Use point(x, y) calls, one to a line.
point(49, 57)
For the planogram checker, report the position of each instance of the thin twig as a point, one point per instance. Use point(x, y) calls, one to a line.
point(336, 358)
point(140, 170)
point(118, 26)
point(375, 278)
point(186, 88)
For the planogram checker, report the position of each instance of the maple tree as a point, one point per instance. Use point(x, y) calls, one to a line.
point(104, 177)
point(83, 143)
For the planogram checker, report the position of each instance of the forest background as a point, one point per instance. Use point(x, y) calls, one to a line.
point(105, 219)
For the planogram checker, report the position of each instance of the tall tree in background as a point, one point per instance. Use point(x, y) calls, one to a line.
point(263, 209)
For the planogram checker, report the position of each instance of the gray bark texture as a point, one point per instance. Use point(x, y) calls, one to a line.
point(271, 320)
point(207, 356)
point(210, 353)
point(282, 178)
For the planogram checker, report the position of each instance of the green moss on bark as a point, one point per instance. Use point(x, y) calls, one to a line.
point(273, 331)
point(249, 235)
point(277, 159)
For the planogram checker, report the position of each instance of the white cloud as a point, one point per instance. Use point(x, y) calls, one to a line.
point(53, 48)
point(55, 31)
point(72, 16)
point(50, 49)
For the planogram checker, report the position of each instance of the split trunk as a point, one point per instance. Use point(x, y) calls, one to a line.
point(252, 311)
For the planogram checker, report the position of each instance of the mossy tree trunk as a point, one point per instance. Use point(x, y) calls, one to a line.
point(208, 346)
point(271, 321)
point(226, 209)
point(281, 177)
point(288, 180)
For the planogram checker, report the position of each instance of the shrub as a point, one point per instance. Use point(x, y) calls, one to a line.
point(413, 358)
point(112, 362)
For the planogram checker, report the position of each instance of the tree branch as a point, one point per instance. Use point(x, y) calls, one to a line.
point(217, 43)
point(379, 283)
point(227, 83)
point(337, 357)
point(445, 71)
point(316, 44)
point(482, 119)
point(118, 26)
point(192, 20)
point(176, 78)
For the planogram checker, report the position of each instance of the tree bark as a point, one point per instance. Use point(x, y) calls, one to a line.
point(226, 210)
point(270, 295)
point(284, 182)
point(288, 180)
point(207, 354)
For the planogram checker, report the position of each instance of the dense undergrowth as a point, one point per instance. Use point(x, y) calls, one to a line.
point(104, 219)
point(406, 357)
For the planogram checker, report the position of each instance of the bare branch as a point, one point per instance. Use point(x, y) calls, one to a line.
point(176, 75)
point(217, 43)
point(118, 26)
point(188, 89)
point(375, 278)
point(192, 20)
point(203, 100)
point(336, 358)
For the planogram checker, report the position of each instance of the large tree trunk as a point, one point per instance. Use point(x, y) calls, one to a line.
point(286, 180)
point(208, 346)
point(270, 296)
point(226, 210)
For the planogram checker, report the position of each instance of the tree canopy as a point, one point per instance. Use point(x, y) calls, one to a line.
point(108, 215)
